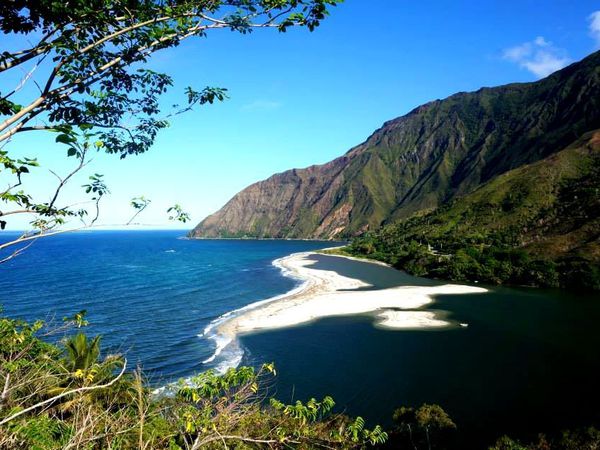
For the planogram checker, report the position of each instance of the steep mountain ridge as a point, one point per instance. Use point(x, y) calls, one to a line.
point(538, 224)
point(437, 152)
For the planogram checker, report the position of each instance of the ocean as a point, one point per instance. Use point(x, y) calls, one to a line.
point(150, 294)
point(528, 360)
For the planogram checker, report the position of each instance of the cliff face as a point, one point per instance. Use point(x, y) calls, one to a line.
point(436, 153)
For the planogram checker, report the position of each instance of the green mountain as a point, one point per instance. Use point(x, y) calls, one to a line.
point(536, 225)
point(438, 152)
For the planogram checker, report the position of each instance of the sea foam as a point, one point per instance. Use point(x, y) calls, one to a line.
point(228, 352)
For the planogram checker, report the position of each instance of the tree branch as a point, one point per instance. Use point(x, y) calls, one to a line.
point(65, 394)
point(41, 48)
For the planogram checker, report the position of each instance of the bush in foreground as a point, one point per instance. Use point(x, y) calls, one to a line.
point(67, 396)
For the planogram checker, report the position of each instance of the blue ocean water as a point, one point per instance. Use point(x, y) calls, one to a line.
point(150, 294)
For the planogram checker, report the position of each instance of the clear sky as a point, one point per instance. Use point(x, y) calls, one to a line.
point(303, 98)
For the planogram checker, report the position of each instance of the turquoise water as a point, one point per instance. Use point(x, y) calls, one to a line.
point(528, 361)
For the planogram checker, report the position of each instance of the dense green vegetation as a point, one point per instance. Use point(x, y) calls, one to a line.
point(538, 225)
point(425, 427)
point(67, 395)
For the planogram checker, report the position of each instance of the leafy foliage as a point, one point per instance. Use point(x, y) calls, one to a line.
point(70, 395)
point(176, 213)
point(538, 225)
point(428, 426)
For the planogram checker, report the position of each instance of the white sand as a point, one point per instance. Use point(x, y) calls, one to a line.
point(326, 293)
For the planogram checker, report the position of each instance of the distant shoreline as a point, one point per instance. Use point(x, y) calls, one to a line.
point(353, 258)
point(204, 238)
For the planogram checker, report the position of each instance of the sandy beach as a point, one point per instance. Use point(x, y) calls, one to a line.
point(327, 293)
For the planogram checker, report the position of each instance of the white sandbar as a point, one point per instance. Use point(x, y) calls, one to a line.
point(326, 293)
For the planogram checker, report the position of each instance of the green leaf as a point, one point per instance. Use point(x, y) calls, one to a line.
point(65, 139)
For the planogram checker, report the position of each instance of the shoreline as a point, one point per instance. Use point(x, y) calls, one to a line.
point(354, 258)
point(253, 238)
point(325, 293)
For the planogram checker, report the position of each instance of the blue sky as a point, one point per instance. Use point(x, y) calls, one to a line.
point(305, 98)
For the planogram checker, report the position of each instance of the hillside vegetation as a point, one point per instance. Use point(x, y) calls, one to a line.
point(536, 225)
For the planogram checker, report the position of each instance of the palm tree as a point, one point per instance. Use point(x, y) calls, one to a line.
point(82, 353)
point(82, 366)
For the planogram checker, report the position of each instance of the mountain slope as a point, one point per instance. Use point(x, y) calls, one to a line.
point(438, 152)
point(538, 224)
